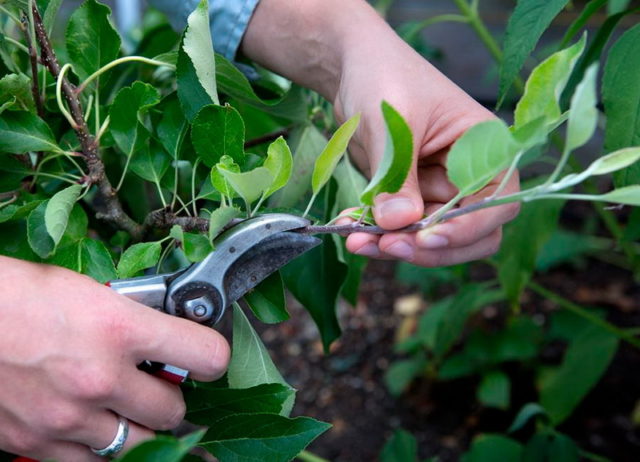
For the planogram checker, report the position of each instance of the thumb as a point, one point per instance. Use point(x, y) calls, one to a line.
point(397, 210)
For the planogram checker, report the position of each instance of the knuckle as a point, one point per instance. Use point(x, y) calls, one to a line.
point(175, 418)
point(94, 384)
point(62, 420)
point(117, 327)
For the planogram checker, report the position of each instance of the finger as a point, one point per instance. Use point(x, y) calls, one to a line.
point(65, 451)
point(182, 343)
point(149, 401)
point(470, 228)
point(444, 257)
point(102, 429)
point(363, 244)
point(434, 184)
point(394, 211)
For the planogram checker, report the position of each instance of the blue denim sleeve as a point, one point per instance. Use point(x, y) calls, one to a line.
point(229, 20)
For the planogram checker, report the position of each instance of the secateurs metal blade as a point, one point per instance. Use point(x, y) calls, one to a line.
point(244, 256)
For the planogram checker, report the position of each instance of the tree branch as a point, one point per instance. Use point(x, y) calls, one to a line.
point(109, 203)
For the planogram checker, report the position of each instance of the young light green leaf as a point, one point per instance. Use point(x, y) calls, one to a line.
point(58, 210)
point(218, 131)
point(545, 85)
point(614, 161)
point(37, 235)
point(279, 439)
point(617, 6)
point(267, 300)
point(398, 155)
point(480, 154)
point(527, 23)
point(138, 257)
point(401, 447)
point(198, 45)
point(22, 132)
point(333, 152)
point(628, 195)
point(279, 162)
point(250, 363)
point(249, 185)
point(495, 390)
point(92, 41)
point(621, 99)
point(583, 115)
point(218, 180)
point(220, 218)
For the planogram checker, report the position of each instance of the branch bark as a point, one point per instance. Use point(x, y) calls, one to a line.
point(111, 207)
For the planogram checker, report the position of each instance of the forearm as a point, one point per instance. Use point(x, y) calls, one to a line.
point(311, 41)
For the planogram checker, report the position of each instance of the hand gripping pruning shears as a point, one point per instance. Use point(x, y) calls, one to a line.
point(244, 256)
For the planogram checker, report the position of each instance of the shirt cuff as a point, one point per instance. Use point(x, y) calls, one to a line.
point(229, 20)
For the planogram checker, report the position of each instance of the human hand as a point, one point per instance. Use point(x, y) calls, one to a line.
point(438, 113)
point(69, 348)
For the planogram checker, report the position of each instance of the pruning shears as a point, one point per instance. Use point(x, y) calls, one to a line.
point(244, 256)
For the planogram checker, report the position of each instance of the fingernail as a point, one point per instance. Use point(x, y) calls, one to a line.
point(368, 250)
point(393, 207)
point(401, 250)
point(429, 240)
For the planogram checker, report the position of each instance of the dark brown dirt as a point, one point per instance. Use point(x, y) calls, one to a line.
point(346, 388)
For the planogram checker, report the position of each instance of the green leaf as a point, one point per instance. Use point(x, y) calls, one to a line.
point(96, 261)
point(16, 89)
point(50, 13)
point(279, 162)
point(551, 446)
point(198, 46)
point(151, 163)
point(491, 448)
point(396, 162)
point(586, 360)
point(315, 279)
point(172, 127)
point(351, 183)
point(162, 449)
point(138, 257)
point(249, 185)
point(401, 447)
point(587, 12)
point(196, 247)
point(333, 152)
point(22, 132)
point(261, 437)
point(529, 20)
point(617, 6)
point(38, 236)
point(250, 362)
point(629, 195)
point(495, 390)
point(528, 411)
point(92, 42)
point(545, 85)
point(126, 115)
point(267, 300)
point(479, 155)
point(583, 116)
point(17, 212)
point(218, 131)
point(307, 143)
point(401, 373)
point(208, 405)
point(621, 98)
point(220, 218)
point(58, 210)
point(523, 240)
point(191, 94)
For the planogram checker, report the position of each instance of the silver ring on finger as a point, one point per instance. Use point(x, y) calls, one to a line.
point(118, 441)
